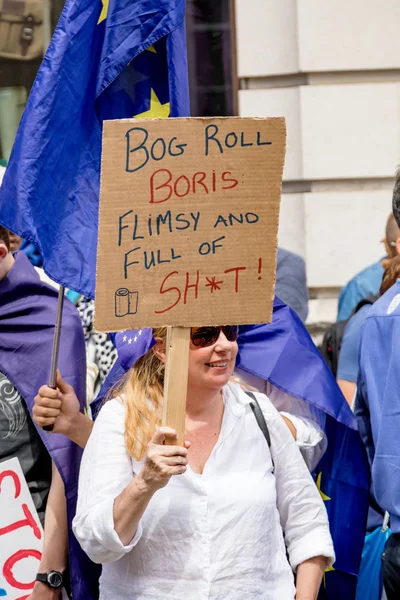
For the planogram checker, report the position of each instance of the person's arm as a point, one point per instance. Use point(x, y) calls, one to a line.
point(305, 422)
point(309, 577)
point(60, 408)
point(112, 497)
point(347, 371)
point(79, 429)
point(55, 543)
point(302, 513)
point(348, 389)
point(161, 462)
point(290, 425)
point(310, 438)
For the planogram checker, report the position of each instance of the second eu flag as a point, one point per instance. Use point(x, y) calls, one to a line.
point(107, 60)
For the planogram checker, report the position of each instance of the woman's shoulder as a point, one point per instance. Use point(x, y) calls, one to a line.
point(244, 394)
point(112, 409)
point(279, 432)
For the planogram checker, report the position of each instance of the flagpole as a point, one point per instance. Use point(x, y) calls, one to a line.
point(56, 345)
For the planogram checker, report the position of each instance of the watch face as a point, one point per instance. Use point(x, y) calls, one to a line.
point(54, 579)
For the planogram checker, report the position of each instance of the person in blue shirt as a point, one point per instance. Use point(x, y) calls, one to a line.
point(347, 371)
point(377, 409)
point(367, 282)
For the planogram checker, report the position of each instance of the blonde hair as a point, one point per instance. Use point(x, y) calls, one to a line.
point(141, 390)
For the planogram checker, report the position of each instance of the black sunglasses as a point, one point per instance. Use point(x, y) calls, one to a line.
point(207, 336)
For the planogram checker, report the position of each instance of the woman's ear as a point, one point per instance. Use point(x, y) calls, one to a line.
point(3, 251)
point(160, 349)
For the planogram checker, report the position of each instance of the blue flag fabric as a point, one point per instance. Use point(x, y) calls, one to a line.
point(113, 60)
point(284, 354)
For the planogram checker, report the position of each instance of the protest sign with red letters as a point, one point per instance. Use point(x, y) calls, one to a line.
point(21, 534)
point(188, 221)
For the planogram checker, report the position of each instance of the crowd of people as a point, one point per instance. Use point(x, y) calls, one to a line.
point(235, 512)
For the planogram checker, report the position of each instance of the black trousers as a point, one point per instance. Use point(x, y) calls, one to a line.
point(391, 567)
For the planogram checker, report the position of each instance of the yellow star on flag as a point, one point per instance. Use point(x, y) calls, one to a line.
point(104, 11)
point(323, 496)
point(156, 110)
point(152, 49)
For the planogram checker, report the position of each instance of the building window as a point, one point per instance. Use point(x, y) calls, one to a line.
point(25, 32)
point(211, 57)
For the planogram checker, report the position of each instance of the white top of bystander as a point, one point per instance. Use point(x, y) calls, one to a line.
point(205, 537)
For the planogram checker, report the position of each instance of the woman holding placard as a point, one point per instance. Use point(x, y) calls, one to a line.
point(222, 528)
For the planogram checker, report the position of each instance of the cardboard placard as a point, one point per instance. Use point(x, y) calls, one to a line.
point(188, 222)
point(21, 533)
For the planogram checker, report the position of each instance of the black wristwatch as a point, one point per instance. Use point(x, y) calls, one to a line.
point(53, 579)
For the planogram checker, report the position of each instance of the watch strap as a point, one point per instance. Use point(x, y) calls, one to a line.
point(46, 578)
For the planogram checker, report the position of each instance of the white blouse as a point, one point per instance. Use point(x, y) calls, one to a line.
point(205, 537)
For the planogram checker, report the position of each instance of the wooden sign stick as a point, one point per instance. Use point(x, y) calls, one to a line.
point(176, 380)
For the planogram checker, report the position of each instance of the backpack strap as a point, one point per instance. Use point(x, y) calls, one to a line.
point(365, 301)
point(258, 413)
point(261, 422)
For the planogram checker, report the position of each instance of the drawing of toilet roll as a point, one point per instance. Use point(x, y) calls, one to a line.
point(126, 302)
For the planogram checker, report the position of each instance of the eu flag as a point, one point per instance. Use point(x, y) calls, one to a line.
point(107, 60)
point(283, 353)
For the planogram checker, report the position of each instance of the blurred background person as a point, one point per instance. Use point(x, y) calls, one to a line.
point(368, 281)
point(291, 282)
point(348, 358)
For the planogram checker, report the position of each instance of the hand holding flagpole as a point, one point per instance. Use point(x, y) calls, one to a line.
point(56, 345)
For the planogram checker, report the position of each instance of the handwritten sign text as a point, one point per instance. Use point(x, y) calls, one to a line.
point(188, 221)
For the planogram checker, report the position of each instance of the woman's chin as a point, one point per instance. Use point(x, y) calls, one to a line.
point(218, 379)
point(212, 378)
